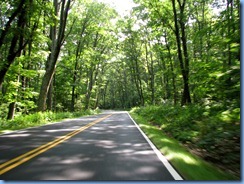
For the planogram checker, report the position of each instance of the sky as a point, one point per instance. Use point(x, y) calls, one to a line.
point(123, 7)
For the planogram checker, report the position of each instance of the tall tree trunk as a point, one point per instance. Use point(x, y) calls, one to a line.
point(139, 81)
point(77, 57)
point(7, 26)
point(46, 81)
point(57, 41)
point(89, 89)
point(229, 31)
point(97, 98)
point(104, 94)
point(150, 68)
point(12, 105)
point(21, 13)
point(10, 58)
point(72, 108)
point(93, 72)
point(152, 80)
point(184, 65)
point(20, 39)
point(171, 68)
point(186, 98)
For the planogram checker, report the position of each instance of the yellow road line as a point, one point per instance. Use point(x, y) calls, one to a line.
point(7, 166)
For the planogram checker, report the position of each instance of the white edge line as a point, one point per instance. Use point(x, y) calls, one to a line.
point(162, 158)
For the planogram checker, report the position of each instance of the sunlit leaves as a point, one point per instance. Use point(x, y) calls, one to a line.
point(139, 47)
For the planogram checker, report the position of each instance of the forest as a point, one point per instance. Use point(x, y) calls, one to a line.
point(175, 62)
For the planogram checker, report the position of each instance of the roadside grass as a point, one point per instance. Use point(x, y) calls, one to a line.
point(190, 166)
point(40, 118)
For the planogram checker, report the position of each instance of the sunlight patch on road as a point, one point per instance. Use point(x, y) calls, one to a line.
point(73, 174)
point(145, 169)
point(146, 152)
point(106, 144)
point(16, 135)
point(123, 151)
point(62, 130)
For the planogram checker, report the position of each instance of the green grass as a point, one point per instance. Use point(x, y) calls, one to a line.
point(39, 118)
point(188, 165)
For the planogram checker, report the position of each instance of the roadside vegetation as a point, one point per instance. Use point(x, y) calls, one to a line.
point(40, 118)
point(190, 134)
point(66, 56)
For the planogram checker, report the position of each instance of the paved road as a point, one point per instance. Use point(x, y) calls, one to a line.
point(100, 147)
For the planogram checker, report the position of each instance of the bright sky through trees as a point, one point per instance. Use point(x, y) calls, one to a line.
point(122, 6)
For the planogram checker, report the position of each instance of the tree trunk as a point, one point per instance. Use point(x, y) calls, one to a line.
point(139, 82)
point(7, 26)
point(72, 108)
point(50, 96)
point(152, 80)
point(171, 68)
point(11, 110)
point(46, 81)
point(97, 98)
point(10, 59)
point(57, 42)
point(150, 68)
point(104, 95)
point(89, 89)
point(186, 98)
point(21, 13)
point(184, 65)
point(12, 55)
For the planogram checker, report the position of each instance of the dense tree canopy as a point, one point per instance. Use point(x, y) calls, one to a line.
point(72, 55)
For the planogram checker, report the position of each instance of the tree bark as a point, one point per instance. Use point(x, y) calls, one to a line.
point(77, 57)
point(72, 108)
point(21, 13)
point(184, 65)
point(171, 68)
point(50, 96)
point(57, 41)
point(11, 110)
point(7, 26)
point(150, 68)
point(89, 89)
point(17, 39)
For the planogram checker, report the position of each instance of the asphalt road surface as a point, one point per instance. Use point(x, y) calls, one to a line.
point(108, 146)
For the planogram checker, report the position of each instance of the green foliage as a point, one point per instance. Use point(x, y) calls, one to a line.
point(40, 118)
point(109, 61)
point(190, 166)
point(3, 110)
point(213, 130)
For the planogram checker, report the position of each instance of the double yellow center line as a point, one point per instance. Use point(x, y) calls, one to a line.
point(7, 166)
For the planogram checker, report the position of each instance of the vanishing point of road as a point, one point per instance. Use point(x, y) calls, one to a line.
point(108, 146)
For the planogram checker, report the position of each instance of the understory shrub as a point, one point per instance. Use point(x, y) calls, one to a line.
point(214, 131)
point(40, 118)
